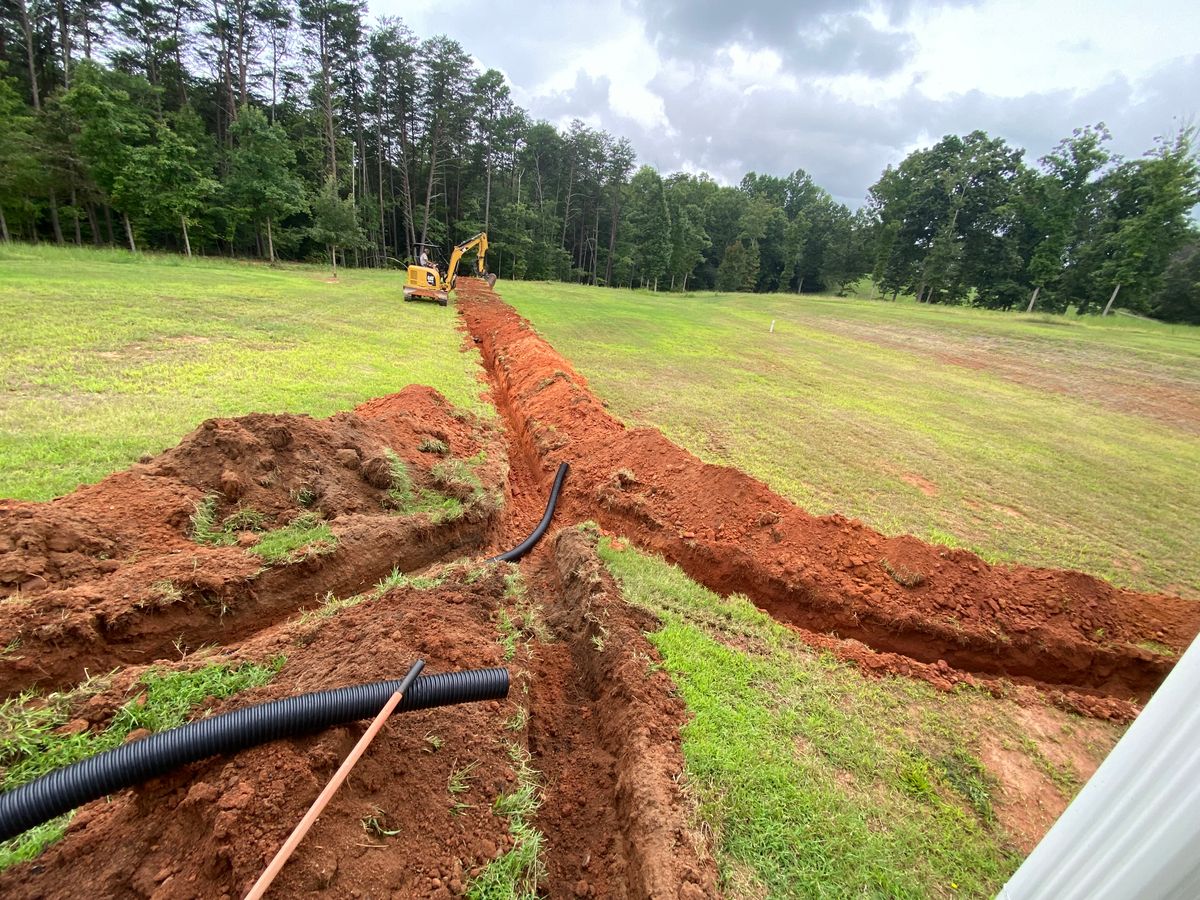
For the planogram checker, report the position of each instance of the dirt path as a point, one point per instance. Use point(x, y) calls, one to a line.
point(938, 613)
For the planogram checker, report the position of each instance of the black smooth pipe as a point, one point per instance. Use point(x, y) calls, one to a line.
point(90, 779)
point(406, 682)
point(536, 535)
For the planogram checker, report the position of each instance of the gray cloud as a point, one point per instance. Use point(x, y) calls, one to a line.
point(1135, 111)
point(844, 145)
point(586, 98)
point(538, 39)
point(811, 36)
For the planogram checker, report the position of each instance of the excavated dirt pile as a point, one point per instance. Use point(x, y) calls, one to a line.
point(418, 817)
point(115, 573)
point(891, 604)
point(209, 829)
point(155, 569)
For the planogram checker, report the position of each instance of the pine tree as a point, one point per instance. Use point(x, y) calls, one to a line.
point(739, 268)
point(650, 221)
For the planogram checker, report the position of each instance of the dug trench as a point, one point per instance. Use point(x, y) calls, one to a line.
point(584, 749)
point(946, 611)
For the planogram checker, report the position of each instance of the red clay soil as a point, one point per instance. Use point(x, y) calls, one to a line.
point(209, 829)
point(924, 604)
point(110, 575)
point(602, 735)
point(615, 816)
point(82, 579)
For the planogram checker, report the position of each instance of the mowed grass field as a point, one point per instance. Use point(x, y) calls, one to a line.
point(813, 779)
point(105, 356)
point(1045, 440)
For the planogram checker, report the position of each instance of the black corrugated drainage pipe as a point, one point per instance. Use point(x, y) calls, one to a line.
point(536, 535)
point(90, 779)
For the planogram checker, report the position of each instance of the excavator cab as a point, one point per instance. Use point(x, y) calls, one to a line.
point(427, 282)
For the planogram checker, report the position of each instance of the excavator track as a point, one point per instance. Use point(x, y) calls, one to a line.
point(442, 298)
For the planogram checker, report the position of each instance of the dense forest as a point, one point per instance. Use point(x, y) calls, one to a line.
point(294, 129)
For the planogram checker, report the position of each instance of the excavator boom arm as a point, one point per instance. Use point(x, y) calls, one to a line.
point(479, 244)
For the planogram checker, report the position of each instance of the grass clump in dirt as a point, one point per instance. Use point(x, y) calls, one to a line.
point(10, 650)
point(304, 537)
point(333, 604)
point(509, 634)
point(459, 784)
point(330, 607)
point(207, 530)
point(814, 780)
point(456, 473)
point(431, 444)
point(205, 524)
point(244, 519)
point(407, 499)
point(522, 622)
point(162, 594)
point(376, 824)
point(515, 874)
point(33, 741)
point(1157, 648)
point(459, 479)
point(30, 844)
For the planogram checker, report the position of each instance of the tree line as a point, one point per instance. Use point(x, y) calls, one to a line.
point(296, 129)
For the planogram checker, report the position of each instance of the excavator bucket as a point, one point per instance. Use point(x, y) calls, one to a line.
point(490, 278)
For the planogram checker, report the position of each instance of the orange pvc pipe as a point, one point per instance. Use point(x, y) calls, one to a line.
point(272, 871)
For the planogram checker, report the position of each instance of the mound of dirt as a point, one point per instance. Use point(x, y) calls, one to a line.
point(829, 574)
point(114, 572)
point(601, 735)
point(210, 829)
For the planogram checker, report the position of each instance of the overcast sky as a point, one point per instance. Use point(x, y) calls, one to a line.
point(839, 88)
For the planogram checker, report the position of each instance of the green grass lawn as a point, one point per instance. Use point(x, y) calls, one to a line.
point(105, 356)
point(1045, 440)
point(818, 782)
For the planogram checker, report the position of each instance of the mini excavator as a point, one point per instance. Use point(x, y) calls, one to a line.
point(426, 282)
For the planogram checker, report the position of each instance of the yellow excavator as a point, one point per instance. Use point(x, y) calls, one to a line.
point(427, 282)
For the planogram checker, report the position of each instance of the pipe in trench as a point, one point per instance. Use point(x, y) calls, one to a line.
point(90, 779)
point(536, 535)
